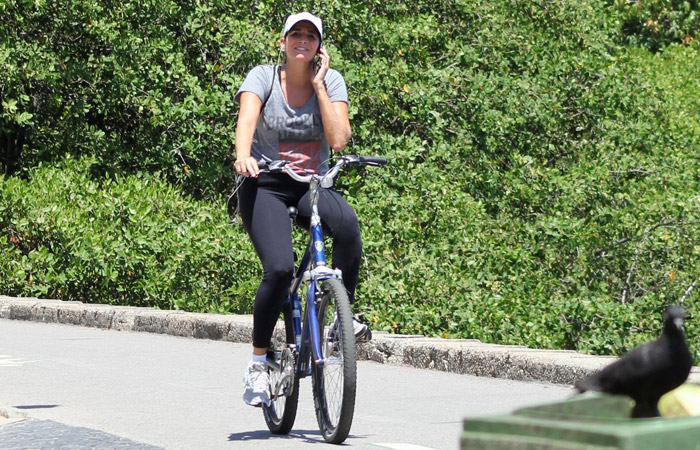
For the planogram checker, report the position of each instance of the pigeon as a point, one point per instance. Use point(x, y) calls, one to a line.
point(649, 371)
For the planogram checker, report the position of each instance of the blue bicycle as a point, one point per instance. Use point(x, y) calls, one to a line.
point(323, 344)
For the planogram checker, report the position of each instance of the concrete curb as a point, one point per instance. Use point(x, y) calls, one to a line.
point(470, 357)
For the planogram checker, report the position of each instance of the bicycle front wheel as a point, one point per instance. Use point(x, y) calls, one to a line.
point(284, 384)
point(335, 382)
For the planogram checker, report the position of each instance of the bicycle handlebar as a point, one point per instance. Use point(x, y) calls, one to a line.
point(278, 166)
point(376, 161)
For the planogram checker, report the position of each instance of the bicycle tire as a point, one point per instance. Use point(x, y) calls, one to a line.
point(335, 383)
point(282, 411)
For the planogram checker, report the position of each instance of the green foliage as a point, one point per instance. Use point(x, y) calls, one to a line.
point(142, 85)
point(543, 179)
point(120, 240)
point(657, 23)
point(542, 192)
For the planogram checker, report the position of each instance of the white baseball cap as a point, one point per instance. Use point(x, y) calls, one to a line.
point(299, 17)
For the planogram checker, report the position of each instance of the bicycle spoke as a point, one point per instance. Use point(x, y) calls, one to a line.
point(334, 382)
point(281, 413)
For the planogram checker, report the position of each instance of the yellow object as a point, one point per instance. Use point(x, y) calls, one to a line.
point(684, 401)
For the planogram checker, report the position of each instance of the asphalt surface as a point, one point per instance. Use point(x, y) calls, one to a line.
point(126, 378)
point(50, 435)
point(84, 388)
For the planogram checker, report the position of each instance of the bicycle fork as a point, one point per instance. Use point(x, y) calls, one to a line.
point(312, 333)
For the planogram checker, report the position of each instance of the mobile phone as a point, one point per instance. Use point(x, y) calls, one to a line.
point(317, 60)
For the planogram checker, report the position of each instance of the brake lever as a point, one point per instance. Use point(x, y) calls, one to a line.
point(271, 166)
point(277, 166)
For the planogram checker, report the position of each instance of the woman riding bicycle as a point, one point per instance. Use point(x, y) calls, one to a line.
point(294, 112)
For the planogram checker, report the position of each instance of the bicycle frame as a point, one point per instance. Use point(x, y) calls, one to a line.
point(330, 360)
point(308, 336)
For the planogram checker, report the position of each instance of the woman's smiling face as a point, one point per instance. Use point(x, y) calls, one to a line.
point(302, 41)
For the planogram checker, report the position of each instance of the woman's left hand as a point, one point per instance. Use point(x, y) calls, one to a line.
point(321, 68)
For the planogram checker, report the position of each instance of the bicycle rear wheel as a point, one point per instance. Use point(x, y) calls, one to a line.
point(335, 382)
point(284, 384)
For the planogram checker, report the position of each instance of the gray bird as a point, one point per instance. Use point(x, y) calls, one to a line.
point(649, 371)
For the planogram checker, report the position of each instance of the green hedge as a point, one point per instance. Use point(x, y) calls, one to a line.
point(655, 24)
point(544, 176)
point(132, 240)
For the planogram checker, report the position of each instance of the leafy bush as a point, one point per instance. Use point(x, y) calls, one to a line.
point(142, 85)
point(121, 240)
point(542, 191)
point(658, 23)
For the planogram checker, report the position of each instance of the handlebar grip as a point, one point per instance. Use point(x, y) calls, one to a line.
point(373, 160)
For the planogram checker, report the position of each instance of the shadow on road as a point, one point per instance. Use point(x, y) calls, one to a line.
point(35, 406)
point(308, 436)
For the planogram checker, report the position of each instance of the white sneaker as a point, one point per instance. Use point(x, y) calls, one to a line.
point(257, 384)
point(362, 332)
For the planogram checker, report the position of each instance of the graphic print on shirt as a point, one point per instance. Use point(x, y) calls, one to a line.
point(300, 143)
point(304, 157)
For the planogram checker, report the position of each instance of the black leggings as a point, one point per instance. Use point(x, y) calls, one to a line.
point(263, 203)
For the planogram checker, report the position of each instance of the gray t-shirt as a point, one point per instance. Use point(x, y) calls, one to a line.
point(289, 133)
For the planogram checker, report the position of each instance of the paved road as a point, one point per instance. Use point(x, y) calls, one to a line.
point(91, 388)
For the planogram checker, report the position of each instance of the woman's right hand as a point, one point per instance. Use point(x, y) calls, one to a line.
point(248, 167)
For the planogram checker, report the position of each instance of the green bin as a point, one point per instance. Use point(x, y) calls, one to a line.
point(590, 422)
